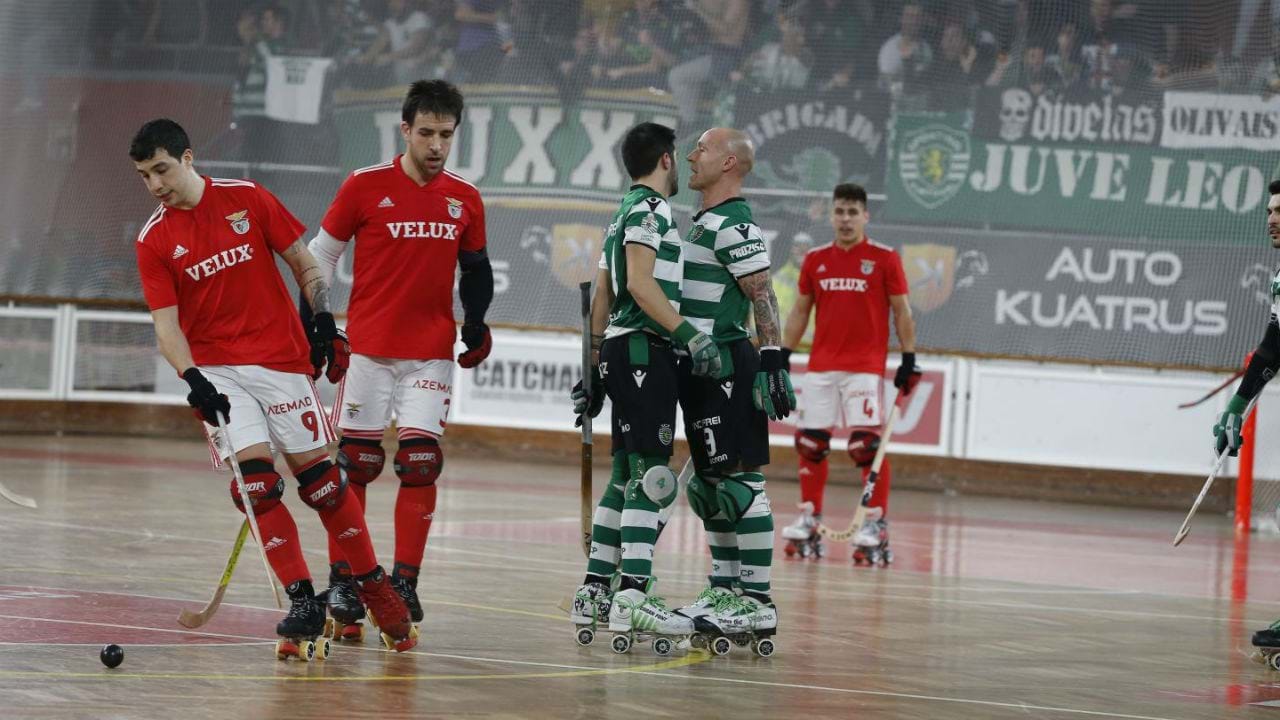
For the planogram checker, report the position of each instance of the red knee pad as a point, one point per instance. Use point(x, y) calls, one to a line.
point(863, 444)
point(361, 459)
point(813, 445)
point(419, 461)
point(262, 483)
point(322, 485)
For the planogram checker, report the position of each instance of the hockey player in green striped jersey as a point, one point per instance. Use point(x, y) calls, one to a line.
point(726, 279)
point(636, 322)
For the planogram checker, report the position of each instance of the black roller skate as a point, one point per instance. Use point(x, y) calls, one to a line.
point(345, 609)
point(871, 544)
point(590, 611)
point(301, 630)
point(1266, 645)
point(404, 578)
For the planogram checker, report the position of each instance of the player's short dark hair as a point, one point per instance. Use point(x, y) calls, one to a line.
point(432, 97)
point(644, 145)
point(1274, 187)
point(161, 133)
point(851, 192)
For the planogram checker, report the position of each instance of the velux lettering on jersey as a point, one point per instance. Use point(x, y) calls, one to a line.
point(435, 230)
point(223, 260)
point(846, 284)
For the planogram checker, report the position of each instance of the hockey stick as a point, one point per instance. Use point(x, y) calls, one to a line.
point(682, 481)
point(1208, 483)
point(860, 515)
point(1212, 392)
point(248, 508)
point(189, 619)
point(584, 289)
point(16, 499)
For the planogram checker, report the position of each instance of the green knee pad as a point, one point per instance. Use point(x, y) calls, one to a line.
point(733, 498)
point(702, 497)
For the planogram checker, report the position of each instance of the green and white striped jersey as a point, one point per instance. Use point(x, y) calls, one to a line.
point(644, 217)
point(723, 245)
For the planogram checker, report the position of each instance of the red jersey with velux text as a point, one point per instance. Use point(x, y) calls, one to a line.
point(215, 263)
point(851, 290)
point(407, 243)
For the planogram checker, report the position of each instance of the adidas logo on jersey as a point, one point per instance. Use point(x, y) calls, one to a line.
point(179, 252)
point(639, 376)
point(386, 202)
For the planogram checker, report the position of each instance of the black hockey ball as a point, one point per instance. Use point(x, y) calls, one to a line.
point(111, 655)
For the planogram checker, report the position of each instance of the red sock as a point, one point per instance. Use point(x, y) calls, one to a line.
point(284, 550)
point(880, 496)
point(346, 526)
point(335, 552)
point(415, 506)
point(813, 482)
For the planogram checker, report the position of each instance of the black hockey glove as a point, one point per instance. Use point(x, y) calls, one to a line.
point(772, 391)
point(908, 375)
point(205, 398)
point(478, 341)
point(590, 403)
point(329, 348)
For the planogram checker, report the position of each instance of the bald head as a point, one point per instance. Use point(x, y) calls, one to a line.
point(723, 156)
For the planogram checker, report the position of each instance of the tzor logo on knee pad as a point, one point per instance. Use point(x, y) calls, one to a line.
point(863, 445)
point(361, 459)
point(419, 461)
point(813, 445)
point(262, 484)
point(322, 485)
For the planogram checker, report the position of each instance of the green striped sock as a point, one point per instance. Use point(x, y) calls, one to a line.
point(724, 550)
point(606, 540)
point(639, 522)
point(754, 534)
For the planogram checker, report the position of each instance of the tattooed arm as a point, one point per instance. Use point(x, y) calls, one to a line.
point(306, 271)
point(759, 290)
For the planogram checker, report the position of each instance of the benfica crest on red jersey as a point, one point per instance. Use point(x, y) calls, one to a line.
point(455, 208)
point(239, 222)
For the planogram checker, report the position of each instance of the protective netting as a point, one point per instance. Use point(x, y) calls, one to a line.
point(1065, 179)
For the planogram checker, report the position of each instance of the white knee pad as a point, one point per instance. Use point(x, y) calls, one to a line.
point(659, 485)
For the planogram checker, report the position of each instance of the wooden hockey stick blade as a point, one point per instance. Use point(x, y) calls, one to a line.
point(1215, 391)
point(17, 499)
point(189, 619)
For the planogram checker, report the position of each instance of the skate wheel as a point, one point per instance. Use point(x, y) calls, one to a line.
point(721, 646)
point(331, 628)
point(307, 651)
point(413, 632)
point(662, 646)
point(764, 648)
point(620, 644)
point(698, 641)
point(1274, 661)
point(323, 648)
point(585, 636)
point(282, 650)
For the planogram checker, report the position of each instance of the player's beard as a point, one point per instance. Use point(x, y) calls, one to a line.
point(673, 182)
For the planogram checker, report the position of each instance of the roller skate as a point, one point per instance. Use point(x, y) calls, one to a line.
point(741, 621)
point(302, 629)
point(386, 611)
point(591, 604)
point(802, 535)
point(871, 544)
point(1266, 645)
point(345, 609)
point(404, 578)
point(707, 601)
point(635, 617)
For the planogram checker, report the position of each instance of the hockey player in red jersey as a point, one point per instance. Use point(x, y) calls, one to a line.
point(854, 282)
point(225, 321)
point(413, 222)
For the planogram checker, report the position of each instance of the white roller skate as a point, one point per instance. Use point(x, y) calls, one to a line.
point(741, 621)
point(635, 617)
point(590, 609)
point(707, 601)
point(871, 544)
point(802, 535)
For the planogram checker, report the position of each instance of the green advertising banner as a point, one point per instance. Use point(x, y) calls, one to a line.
point(514, 140)
point(940, 172)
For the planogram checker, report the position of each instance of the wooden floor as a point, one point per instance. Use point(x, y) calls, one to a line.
point(994, 609)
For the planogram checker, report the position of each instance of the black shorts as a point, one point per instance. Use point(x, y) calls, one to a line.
point(639, 372)
point(724, 427)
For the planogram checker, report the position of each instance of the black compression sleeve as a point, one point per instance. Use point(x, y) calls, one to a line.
point(1263, 366)
point(475, 286)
